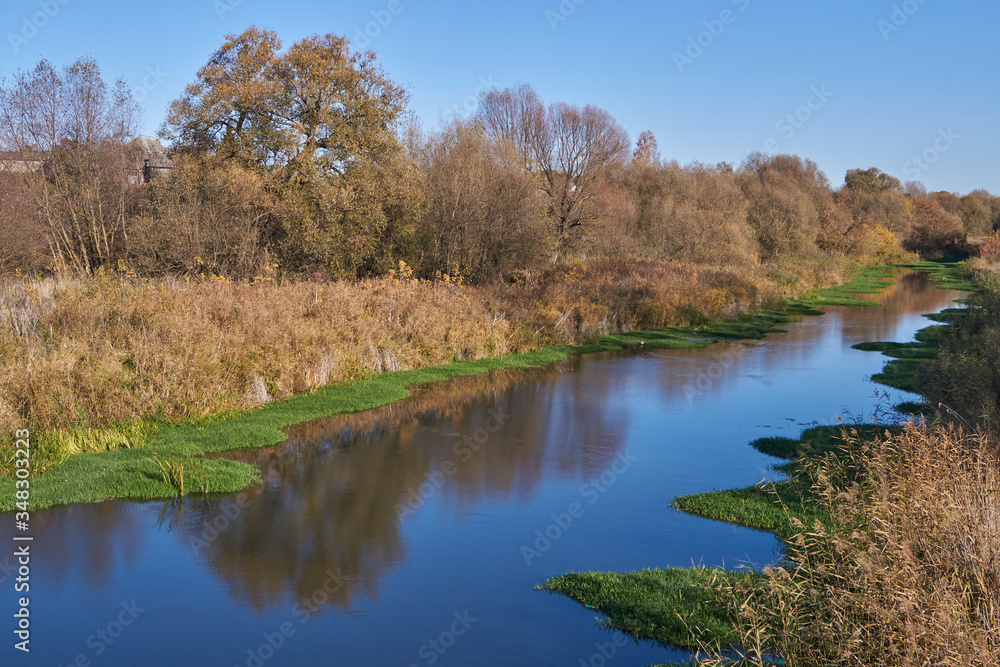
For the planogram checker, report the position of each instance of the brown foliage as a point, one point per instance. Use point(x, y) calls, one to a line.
point(694, 213)
point(935, 232)
point(78, 128)
point(205, 218)
point(785, 195)
point(319, 120)
point(22, 234)
point(568, 149)
point(484, 217)
point(905, 572)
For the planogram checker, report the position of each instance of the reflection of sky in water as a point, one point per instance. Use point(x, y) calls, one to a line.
point(326, 534)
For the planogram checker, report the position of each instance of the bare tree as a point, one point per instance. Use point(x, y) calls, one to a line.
point(569, 149)
point(483, 216)
point(78, 128)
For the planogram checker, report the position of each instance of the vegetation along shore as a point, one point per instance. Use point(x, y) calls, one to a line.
point(888, 529)
point(159, 303)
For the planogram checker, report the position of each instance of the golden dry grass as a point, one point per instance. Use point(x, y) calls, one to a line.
point(93, 359)
point(907, 572)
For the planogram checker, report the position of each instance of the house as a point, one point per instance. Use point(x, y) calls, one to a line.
point(20, 162)
point(148, 158)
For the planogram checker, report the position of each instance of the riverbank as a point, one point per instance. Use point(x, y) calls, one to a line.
point(873, 583)
point(154, 458)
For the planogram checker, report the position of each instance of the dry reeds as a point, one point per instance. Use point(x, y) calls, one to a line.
point(89, 360)
point(907, 572)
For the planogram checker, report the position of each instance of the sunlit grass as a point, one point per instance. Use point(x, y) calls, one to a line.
point(672, 606)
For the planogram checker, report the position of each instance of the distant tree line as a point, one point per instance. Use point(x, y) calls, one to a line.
point(306, 158)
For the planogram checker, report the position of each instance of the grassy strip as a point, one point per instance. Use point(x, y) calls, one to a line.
point(947, 273)
point(670, 606)
point(133, 472)
point(871, 280)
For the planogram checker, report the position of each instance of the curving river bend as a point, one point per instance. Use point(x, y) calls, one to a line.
point(415, 534)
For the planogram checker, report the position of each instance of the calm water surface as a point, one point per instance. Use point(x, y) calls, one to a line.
point(427, 520)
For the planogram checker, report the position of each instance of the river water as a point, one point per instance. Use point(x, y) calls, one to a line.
point(415, 534)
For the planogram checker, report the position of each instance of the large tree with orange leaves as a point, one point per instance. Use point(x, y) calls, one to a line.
point(320, 120)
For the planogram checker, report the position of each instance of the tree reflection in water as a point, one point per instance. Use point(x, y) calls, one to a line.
point(328, 516)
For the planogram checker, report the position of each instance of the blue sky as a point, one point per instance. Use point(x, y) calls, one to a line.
point(851, 83)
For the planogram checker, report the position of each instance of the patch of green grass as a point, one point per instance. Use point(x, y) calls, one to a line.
point(780, 447)
point(673, 606)
point(813, 443)
point(764, 507)
point(871, 280)
point(948, 272)
point(899, 374)
point(932, 335)
point(948, 315)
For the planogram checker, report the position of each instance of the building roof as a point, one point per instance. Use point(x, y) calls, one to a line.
point(148, 148)
point(21, 162)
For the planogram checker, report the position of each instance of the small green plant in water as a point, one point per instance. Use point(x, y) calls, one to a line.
point(172, 471)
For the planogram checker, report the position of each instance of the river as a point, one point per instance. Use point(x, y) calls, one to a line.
point(415, 534)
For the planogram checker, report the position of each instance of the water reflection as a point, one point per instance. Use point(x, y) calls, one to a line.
point(339, 491)
point(344, 496)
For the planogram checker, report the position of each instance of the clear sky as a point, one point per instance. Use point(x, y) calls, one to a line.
point(847, 83)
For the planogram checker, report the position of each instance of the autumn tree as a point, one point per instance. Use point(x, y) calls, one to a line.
point(483, 217)
point(936, 231)
point(977, 213)
point(319, 120)
point(872, 181)
point(786, 196)
point(695, 213)
point(71, 130)
point(204, 218)
point(646, 151)
point(877, 200)
point(570, 151)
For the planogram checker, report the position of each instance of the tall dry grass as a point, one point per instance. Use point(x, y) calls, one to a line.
point(104, 349)
point(112, 350)
point(907, 571)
